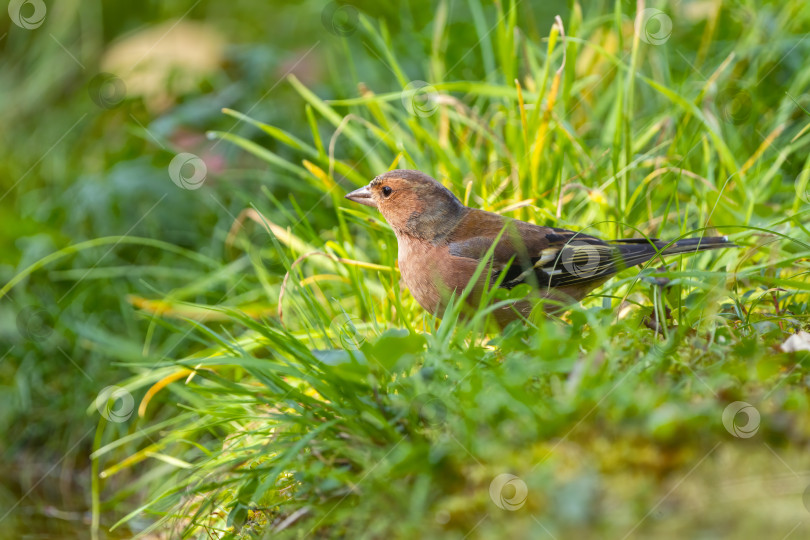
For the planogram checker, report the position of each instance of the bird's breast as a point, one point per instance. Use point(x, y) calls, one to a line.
point(431, 273)
point(419, 267)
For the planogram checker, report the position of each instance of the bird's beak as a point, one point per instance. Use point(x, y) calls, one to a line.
point(362, 196)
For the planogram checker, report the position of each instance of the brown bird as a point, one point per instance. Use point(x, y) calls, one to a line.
point(442, 242)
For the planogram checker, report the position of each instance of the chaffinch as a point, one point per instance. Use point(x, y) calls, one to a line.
point(441, 243)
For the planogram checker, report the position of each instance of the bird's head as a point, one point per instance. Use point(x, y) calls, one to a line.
point(412, 202)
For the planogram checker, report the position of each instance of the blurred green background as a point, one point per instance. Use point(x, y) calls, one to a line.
point(100, 97)
point(85, 162)
point(82, 158)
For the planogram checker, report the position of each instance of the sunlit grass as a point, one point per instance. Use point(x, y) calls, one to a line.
point(357, 414)
point(361, 415)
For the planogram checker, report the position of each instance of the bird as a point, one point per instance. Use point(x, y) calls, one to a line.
point(441, 243)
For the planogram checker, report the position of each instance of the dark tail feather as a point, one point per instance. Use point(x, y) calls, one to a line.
point(638, 250)
point(692, 245)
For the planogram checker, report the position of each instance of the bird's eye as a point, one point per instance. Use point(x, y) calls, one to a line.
point(386, 191)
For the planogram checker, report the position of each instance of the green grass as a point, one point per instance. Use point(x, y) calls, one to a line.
point(359, 415)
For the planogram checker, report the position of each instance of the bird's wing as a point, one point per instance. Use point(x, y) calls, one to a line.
point(538, 256)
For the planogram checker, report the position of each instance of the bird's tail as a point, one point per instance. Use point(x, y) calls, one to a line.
point(640, 250)
point(693, 245)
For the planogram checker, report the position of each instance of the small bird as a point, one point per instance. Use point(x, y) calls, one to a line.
point(441, 243)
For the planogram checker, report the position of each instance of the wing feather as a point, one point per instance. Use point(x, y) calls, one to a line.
point(538, 256)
